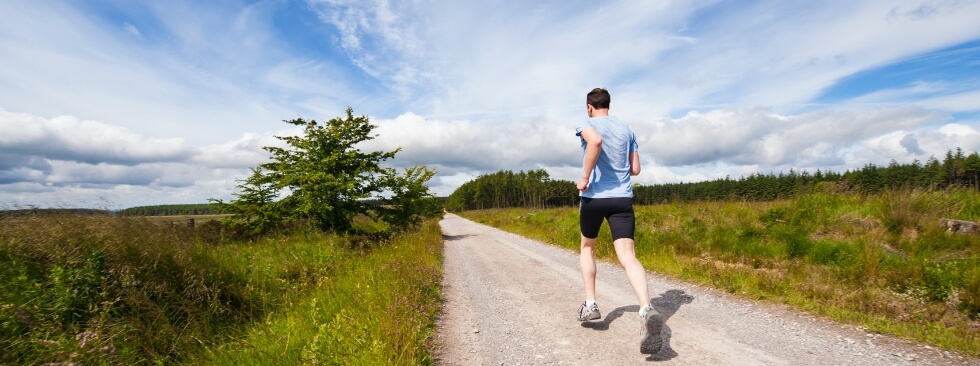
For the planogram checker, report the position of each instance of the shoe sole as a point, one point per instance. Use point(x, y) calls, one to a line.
point(652, 341)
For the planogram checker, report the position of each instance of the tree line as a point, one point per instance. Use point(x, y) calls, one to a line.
point(536, 189)
point(533, 188)
point(173, 210)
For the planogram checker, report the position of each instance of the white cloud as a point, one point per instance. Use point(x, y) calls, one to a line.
point(481, 59)
point(381, 38)
point(68, 138)
point(203, 71)
point(242, 153)
point(47, 160)
point(516, 144)
point(698, 146)
point(652, 173)
point(793, 58)
point(960, 102)
point(950, 136)
point(759, 136)
point(695, 147)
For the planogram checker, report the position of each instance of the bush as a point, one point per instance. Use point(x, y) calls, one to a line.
point(942, 279)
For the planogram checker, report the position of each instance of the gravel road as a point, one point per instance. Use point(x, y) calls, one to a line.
point(510, 300)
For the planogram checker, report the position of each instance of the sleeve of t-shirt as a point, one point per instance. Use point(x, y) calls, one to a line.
point(634, 147)
point(582, 125)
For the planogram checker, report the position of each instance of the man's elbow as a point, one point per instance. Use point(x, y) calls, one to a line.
point(634, 171)
point(593, 140)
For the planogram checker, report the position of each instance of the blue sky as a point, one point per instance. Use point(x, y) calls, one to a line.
point(124, 103)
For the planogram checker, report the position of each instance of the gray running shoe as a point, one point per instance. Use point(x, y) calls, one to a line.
point(651, 326)
point(588, 313)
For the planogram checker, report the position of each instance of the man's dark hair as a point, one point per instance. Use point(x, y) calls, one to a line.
point(598, 98)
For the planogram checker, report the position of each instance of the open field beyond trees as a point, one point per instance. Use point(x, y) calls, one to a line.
point(98, 289)
point(878, 261)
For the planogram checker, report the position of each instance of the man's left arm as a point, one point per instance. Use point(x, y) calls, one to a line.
point(634, 163)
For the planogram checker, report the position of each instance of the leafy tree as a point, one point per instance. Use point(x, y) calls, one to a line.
point(255, 207)
point(410, 200)
point(329, 180)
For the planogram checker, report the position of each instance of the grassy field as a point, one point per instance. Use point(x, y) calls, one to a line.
point(95, 289)
point(880, 262)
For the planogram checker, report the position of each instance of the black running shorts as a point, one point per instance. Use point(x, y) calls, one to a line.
point(618, 211)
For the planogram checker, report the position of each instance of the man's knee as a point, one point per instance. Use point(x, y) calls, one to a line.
point(587, 242)
point(624, 246)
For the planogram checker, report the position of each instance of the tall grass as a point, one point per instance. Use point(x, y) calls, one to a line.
point(881, 262)
point(94, 289)
point(378, 308)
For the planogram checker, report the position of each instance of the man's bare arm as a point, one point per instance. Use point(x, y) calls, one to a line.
point(634, 163)
point(593, 144)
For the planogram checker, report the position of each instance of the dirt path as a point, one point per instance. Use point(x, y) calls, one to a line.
point(512, 301)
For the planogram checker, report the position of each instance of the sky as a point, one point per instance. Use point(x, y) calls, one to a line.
point(115, 104)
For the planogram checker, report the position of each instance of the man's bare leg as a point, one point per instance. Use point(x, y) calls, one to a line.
point(586, 261)
point(651, 321)
point(634, 269)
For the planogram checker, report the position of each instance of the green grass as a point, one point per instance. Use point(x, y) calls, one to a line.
point(113, 290)
point(377, 309)
point(881, 262)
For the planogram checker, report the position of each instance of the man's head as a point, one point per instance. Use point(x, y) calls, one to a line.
point(598, 98)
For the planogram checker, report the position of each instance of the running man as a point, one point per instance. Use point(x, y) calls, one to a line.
point(611, 158)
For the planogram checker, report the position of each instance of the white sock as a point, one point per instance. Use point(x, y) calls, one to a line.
point(589, 303)
point(645, 309)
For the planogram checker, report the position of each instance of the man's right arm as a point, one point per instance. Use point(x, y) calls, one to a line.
point(593, 144)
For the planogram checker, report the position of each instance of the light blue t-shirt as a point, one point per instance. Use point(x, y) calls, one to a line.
point(611, 175)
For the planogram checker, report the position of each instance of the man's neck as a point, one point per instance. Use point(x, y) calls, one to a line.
point(600, 113)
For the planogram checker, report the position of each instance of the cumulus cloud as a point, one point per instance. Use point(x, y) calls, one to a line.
point(65, 154)
point(697, 146)
point(242, 153)
point(760, 136)
point(93, 142)
point(518, 144)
